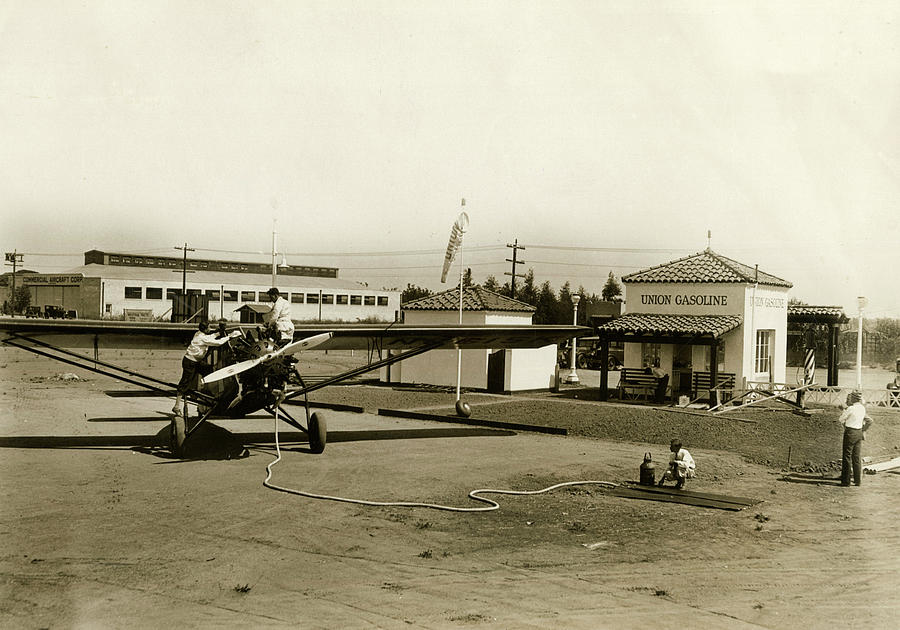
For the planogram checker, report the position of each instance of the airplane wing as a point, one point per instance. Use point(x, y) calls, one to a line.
point(120, 334)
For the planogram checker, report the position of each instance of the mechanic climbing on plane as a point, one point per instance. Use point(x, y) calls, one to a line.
point(193, 365)
point(279, 317)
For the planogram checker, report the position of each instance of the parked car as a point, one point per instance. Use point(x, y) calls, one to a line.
point(587, 354)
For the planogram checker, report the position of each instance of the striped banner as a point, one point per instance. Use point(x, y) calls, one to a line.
point(809, 367)
point(456, 234)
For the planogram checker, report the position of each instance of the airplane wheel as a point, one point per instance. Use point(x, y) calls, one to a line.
point(176, 438)
point(318, 433)
point(463, 409)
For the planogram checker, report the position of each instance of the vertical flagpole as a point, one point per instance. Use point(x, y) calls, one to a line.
point(459, 350)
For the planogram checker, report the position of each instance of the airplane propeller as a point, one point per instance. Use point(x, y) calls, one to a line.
point(243, 366)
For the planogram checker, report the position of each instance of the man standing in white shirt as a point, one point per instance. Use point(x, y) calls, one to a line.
point(681, 465)
point(279, 316)
point(856, 422)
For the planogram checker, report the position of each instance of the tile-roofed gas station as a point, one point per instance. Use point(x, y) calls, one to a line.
point(701, 317)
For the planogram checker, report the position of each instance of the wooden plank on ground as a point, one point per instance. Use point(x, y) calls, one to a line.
point(416, 415)
point(882, 466)
point(724, 498)
point(632, 493)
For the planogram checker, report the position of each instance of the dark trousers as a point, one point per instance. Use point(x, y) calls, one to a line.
point(190, 373)
point(852, 456)
point(661, 387)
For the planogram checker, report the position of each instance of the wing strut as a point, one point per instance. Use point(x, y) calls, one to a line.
point(113, 371)
point(365, 368)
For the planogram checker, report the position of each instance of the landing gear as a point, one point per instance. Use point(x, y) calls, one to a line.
point(177, 435)
point(317, 432)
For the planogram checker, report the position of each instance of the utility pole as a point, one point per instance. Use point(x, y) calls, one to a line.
point(512, 281)
point(185, 249)
point(13, 259)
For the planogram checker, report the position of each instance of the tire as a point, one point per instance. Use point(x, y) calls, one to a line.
point(582, 361)
point(318, 433)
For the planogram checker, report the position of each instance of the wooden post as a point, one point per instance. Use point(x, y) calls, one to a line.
point(713, 369)
point(604, 368)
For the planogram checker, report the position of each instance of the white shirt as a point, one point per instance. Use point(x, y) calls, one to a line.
point(853, 416)
point(683, 458)
point(201, 343)
point(280, 314)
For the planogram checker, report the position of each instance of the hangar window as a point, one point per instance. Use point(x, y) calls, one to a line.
point(172, 293)
point(356, 300)
point(382, 300)
point(154, 293)
point(231, 296)
point(194, 291)
point(342, 299)
point(212, 294)
point(133, 293)
point(327, 299)
point(248, 296)
point(370, 300)
point(297, 298)
point(312, 298)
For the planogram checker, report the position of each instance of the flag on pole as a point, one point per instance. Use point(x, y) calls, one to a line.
point(456, 234)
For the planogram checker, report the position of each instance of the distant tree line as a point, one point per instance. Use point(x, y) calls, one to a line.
point(552, 306)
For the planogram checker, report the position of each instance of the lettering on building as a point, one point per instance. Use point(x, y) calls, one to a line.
point(685, 300)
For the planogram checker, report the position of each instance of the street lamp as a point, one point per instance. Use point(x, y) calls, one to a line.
point(572, 378)
point(861, 302)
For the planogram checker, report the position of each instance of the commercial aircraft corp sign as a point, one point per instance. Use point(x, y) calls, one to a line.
point(55, 280)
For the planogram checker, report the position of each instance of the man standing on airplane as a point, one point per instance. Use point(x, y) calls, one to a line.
point(279, 317)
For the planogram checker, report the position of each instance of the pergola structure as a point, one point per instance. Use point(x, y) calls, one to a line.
point(822, 316)
point(694, 330)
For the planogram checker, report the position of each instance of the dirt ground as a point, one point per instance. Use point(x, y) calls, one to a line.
point(101, 528)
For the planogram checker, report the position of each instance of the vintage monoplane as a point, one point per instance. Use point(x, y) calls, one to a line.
point(250, 372)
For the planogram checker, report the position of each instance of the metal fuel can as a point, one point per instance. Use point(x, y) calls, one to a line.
point(648, 471)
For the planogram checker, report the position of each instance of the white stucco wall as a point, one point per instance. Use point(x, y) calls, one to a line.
point(767, 312)
point(524, 369)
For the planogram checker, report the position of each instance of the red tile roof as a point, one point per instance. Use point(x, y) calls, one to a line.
point(706, 266)
point(475, 298)
point(656, 324)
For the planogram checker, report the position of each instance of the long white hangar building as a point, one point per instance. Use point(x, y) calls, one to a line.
point(112, 285)
point(705, 319)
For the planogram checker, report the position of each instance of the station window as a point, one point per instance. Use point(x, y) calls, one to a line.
point(231, 296)
point(370, 300)
point(212, 294)
point(382, 300)
point(312, 298)
point(342, 299)
point(763, 351)
point(248, 296)
point(355, 300)
point(327, 298)
point(194, 291)
point(649, 354)
point(296, 298)
point(133, 293)
point(172, 293)
point(154, 293)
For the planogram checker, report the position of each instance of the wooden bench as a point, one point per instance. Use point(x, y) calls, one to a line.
point(701, 381)
point(635, 383)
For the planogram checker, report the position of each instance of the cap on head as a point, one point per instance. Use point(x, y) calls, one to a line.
point(854, 397)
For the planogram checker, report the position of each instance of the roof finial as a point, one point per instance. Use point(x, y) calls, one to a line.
point(708, 240)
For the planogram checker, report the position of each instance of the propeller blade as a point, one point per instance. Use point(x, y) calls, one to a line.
point(305, 344)
point(231, 370)
point(243, 366)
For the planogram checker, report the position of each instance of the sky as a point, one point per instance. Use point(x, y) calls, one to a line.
point(602, 136)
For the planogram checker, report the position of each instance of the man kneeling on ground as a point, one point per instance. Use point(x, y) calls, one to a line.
point(681, 465)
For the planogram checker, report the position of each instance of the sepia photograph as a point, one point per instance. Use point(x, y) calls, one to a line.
point(499, 314)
